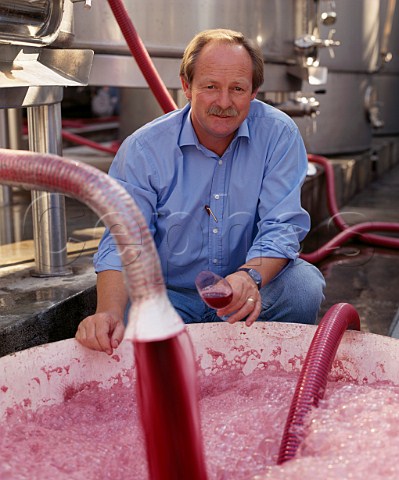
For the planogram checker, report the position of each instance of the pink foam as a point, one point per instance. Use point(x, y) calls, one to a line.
point(95, 433)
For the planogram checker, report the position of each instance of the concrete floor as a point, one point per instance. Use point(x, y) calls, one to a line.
point(363, 275)
point(40, 310)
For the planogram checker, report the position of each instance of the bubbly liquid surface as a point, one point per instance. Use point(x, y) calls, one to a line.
point(95, 434)
point(217, 299)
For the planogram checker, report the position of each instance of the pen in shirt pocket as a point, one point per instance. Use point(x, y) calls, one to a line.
point(210, 213)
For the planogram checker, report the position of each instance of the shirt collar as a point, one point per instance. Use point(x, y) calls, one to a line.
point(188, 136)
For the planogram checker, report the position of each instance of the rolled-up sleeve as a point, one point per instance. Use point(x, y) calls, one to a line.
point(136, 177)
point(283, 223)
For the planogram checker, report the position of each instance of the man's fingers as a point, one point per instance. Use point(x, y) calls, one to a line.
point(249, 310)
point(102, 337)
point(101, 332)
point(117, 335)
point(254, 315)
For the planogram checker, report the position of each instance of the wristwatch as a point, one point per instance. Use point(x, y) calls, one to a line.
point(254, 274)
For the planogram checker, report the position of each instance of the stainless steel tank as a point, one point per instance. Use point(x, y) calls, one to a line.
point(39, 22)
point(389, 36)
point(361, 95)
point(33, 76)
point(357, 28)
point(386, 79)
point(387, 88)
point(290, 33)
point(167, 27)
point(342, 125)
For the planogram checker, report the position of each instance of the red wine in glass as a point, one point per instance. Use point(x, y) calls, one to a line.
point(215, 290)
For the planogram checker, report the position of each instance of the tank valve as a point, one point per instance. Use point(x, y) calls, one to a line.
point(299, 105)
point(309, 42)
point(372, 107)
point(329, 16)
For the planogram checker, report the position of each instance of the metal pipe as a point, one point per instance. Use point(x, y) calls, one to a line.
point(385, 54)
point(10, 137)
point(48, 209)
point(14, 119)
point(5, 192)
point(6, 225)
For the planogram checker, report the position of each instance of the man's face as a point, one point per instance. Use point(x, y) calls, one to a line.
point(220, 93)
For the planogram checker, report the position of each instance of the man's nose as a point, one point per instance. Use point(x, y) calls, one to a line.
point(224, 99)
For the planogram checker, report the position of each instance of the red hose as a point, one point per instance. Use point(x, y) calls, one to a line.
point(313, 377)
point(347, 234)
point(84, 122)
point(142, 57)
point(347, 231)
point(88, 143)
point(79, 140)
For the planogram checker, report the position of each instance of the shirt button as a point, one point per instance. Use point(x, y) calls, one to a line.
point(215, 260)
point(217, 196)
point(215, 230)
point(220, 162)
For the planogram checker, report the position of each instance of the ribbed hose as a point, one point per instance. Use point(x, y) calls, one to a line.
point(350, 232)
point(105, 197)
point(313, 377)
point(141, 56)
point(347, 231)
point(159, 334)
point(340, 222)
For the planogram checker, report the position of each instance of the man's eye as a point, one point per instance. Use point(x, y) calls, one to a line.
point(210, 87)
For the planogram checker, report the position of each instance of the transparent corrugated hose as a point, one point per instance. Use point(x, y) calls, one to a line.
point(105, 197)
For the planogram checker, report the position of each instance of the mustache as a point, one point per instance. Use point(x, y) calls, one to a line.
point(222, 112)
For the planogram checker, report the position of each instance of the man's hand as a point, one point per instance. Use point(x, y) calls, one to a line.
point(246, 302)
point(101, 331)
point(104, 330)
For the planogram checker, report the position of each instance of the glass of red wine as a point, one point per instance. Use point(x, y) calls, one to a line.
point(215, 290)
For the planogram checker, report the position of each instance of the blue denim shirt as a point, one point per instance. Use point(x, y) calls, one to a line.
point(252, 193)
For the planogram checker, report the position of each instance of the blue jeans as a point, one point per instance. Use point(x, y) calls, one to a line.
point(294, 295)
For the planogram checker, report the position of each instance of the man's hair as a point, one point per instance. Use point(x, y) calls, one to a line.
point(221, 35)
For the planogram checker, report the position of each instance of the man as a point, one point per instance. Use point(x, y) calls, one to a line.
point(219, 184)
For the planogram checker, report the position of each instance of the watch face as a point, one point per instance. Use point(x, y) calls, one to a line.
point(256, 276)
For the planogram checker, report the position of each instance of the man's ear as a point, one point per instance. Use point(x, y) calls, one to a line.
point(253, 94)
point(186, 87)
